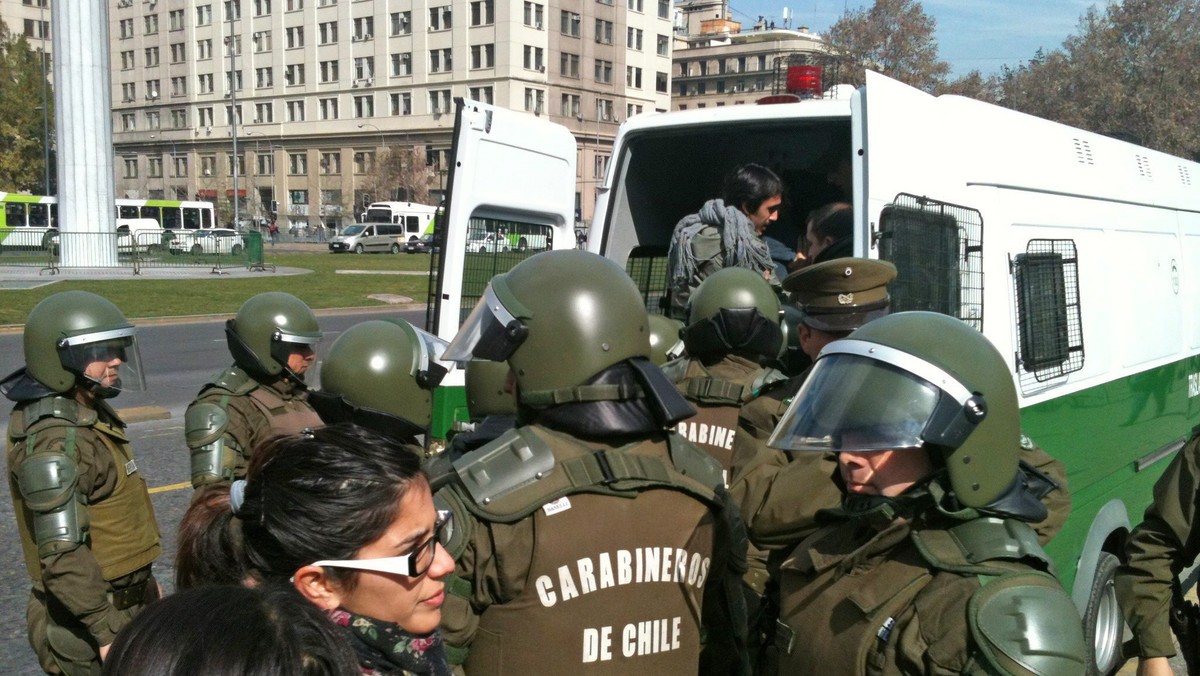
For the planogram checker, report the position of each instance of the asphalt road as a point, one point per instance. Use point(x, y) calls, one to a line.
point(178, 359)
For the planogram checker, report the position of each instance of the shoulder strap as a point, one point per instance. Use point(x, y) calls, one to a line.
point(765, 378)
point(715, 391)
point(983, 546)
point(234, 380)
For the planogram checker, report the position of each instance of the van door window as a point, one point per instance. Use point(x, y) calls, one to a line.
point(412, 224)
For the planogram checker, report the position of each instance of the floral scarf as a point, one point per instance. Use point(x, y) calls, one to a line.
point(384, 649)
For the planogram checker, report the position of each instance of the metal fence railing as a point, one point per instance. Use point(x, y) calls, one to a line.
point(216, 249)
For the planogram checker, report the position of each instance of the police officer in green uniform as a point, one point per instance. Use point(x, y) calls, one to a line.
point(380, 374)
point(733, 323)
point(86, 523)
point(1165, 543)
point(491, 406)
point(272, 340)
point(665, 343)
point(929, 564)
point(591, 537)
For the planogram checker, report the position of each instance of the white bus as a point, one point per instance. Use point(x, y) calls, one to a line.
point(417, 219)
point(29, 221)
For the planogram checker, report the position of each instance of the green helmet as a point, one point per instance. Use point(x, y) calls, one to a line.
point(485, 389)
point(733, 310)
point(914, 380)
point(70, 330)
point(385, 366)
point(265, 331)
point(665, 343)
point(558, 318)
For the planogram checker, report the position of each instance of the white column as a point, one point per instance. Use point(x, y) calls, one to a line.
point(83, 125)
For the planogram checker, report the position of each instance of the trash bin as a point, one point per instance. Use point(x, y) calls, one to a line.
point(254, 248)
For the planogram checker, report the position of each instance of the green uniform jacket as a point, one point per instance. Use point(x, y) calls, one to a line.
point(1164, 543)
point(256, 412)
point(122, 534)
point(590, 581)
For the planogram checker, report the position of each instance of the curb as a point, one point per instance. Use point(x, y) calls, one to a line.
point(143, 413)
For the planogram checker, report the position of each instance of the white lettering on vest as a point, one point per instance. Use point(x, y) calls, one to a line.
point(606, 571)
point(624, 566)
point(545, 590)
point(653, 564)
point(567, 584)
point(587, 581)
point(597, 644)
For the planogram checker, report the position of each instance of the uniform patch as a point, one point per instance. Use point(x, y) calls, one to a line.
point(130, 467)
point(560, 505)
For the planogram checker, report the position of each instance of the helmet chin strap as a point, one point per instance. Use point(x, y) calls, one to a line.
point(98, 389)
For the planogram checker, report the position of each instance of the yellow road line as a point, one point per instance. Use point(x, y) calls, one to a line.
point(172, 487)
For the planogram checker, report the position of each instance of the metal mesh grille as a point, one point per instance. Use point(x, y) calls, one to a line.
point(937, 249)
point(1048, 319)
point(647, 265)
point(494, 247)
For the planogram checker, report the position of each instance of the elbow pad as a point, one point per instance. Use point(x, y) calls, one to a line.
point(48, 483)
point(214, 453)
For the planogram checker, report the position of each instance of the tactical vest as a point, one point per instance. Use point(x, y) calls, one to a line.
point(718, 403)
point(619, 546)
point(284, 415)
point(123, 533)
point(844, 599)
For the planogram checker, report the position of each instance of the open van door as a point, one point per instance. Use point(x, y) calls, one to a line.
point(512, 175)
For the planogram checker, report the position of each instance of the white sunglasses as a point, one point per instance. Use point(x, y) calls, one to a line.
point(412, 564)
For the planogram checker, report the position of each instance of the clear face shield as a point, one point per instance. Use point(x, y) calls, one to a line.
point(108, 359)
point(430, 366)
point(866, 397)
point(490, 333)
point(285, 344)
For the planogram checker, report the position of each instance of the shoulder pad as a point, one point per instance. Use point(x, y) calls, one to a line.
point(693, 462)
point(47, 480)
point(204, 423)
point(235, 381)
point(458, 533)
point(515, 459)
point(1025, 623)
point(766, 378)
point(675, 369)
point(57, 411)
point(973, 547)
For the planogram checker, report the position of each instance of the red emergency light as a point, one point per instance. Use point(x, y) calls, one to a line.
point(805, 80)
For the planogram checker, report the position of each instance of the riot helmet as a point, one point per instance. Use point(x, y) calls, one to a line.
point(665, 343)
point(733, 310)
point(913, 380)
point(381, 374)
point(486, 392)
point(77, 337)
point(267, 329)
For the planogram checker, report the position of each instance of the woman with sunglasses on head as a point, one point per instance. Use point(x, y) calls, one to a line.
point(347, 516)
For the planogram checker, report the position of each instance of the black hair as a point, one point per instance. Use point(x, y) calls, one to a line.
point(210, 542)
point(834, 220)
point(749, 185)
point(229, 630)
point(324, 494)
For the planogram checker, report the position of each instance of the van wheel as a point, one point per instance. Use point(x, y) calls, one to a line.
point(522, 245)
point(395, 248)
point(1103, 625)
point(483, 249)
point(236, 250)
point(358, 248)
point(197, 250)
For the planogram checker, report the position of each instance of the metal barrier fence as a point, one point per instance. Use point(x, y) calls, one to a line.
point(217, 249)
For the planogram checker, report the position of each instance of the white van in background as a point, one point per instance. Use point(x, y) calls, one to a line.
point(416, 219)
point(369, 238)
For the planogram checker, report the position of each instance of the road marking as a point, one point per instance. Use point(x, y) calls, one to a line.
point(172, 487)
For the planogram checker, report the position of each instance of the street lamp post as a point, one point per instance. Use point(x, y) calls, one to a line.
point(254, 188)
point(368, 124)
point(233, 112)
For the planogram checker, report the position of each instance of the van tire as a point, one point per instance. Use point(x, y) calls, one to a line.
point(358, 248)
point(236, 250)
point(395, 248)
point(1103, 625)
point(197, 249)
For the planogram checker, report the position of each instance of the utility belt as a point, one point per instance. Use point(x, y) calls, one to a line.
point(135, 594)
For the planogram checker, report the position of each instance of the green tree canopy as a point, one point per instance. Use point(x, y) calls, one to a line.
point(894, 37)
point(21, 122)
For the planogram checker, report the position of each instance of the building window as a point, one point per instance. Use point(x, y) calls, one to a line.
point(664, 9)
point(176, 18)
point(327, 32)
point(604, 71)
point(571, 106)
point(401, 103)
point(181, 166)
point(262, 7)
point(152, 90)
point(569, 23)
point(439, 101)
point(266, 164)
point(633, 38)
point(153, 120)
point(604, 32)
point(599, 165)
point(660, 82)
point(364, 28)
point(364, 106)
point(664, 45)
point(178, 52)
point(633, 77)
point(483, 12)
point(208, 165)
point(331, 163)
point(179, 118)
point(297, 165)
point(439, 18)
point(128, 121)
point(126, 28)
point(402, 64)
point(293, 5)
point(294, 74)
point(233, 10)
point(233, 80)
point(534, 58)
point(568, 65)
point(364, 67)
point(230, 111)
point(203, 49)
point(401, 23)
point(128, 91)
point(329, 108)
point(295, 110)
point(632, 109)
point(364, 162)
point(535, 14)
point(295, 37)
point(151, 24)
point(481, 94)
point(127, 60)
point(154, 167)
point(179, 86)
point(483, 56)
point(131, 168)
point(264, 112)
point(262, 41)
point(329, 71)
point(440, 60)
point(604, 110)
point(204, 83)
point(203, 15)
point(263, 77)
point(535, 100)
point(634, 5)
point(241, 164)
point(37, 30)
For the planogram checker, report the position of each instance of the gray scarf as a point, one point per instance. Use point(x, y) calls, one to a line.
point(739, 242)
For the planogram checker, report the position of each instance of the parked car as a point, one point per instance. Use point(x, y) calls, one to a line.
point(486, 242)
point(224, 241)
point(424, 245)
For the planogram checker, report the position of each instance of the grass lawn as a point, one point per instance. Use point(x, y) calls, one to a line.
point(322, 288)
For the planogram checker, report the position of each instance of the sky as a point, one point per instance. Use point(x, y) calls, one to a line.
point(971, 34)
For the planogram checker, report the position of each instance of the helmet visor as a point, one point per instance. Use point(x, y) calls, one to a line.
point(429, 367)
point(491, 332)
point(857, 403)
point(110, 359)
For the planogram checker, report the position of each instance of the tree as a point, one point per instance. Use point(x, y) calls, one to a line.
point(894, 37)
point(400, 174)
point(21, 123)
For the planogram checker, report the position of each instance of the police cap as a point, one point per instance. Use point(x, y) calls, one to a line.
point(841, 294)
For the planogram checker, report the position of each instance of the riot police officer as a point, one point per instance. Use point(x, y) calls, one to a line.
point(542, 588)
point(272, 340)
point(933, 525)
point(87, 527)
